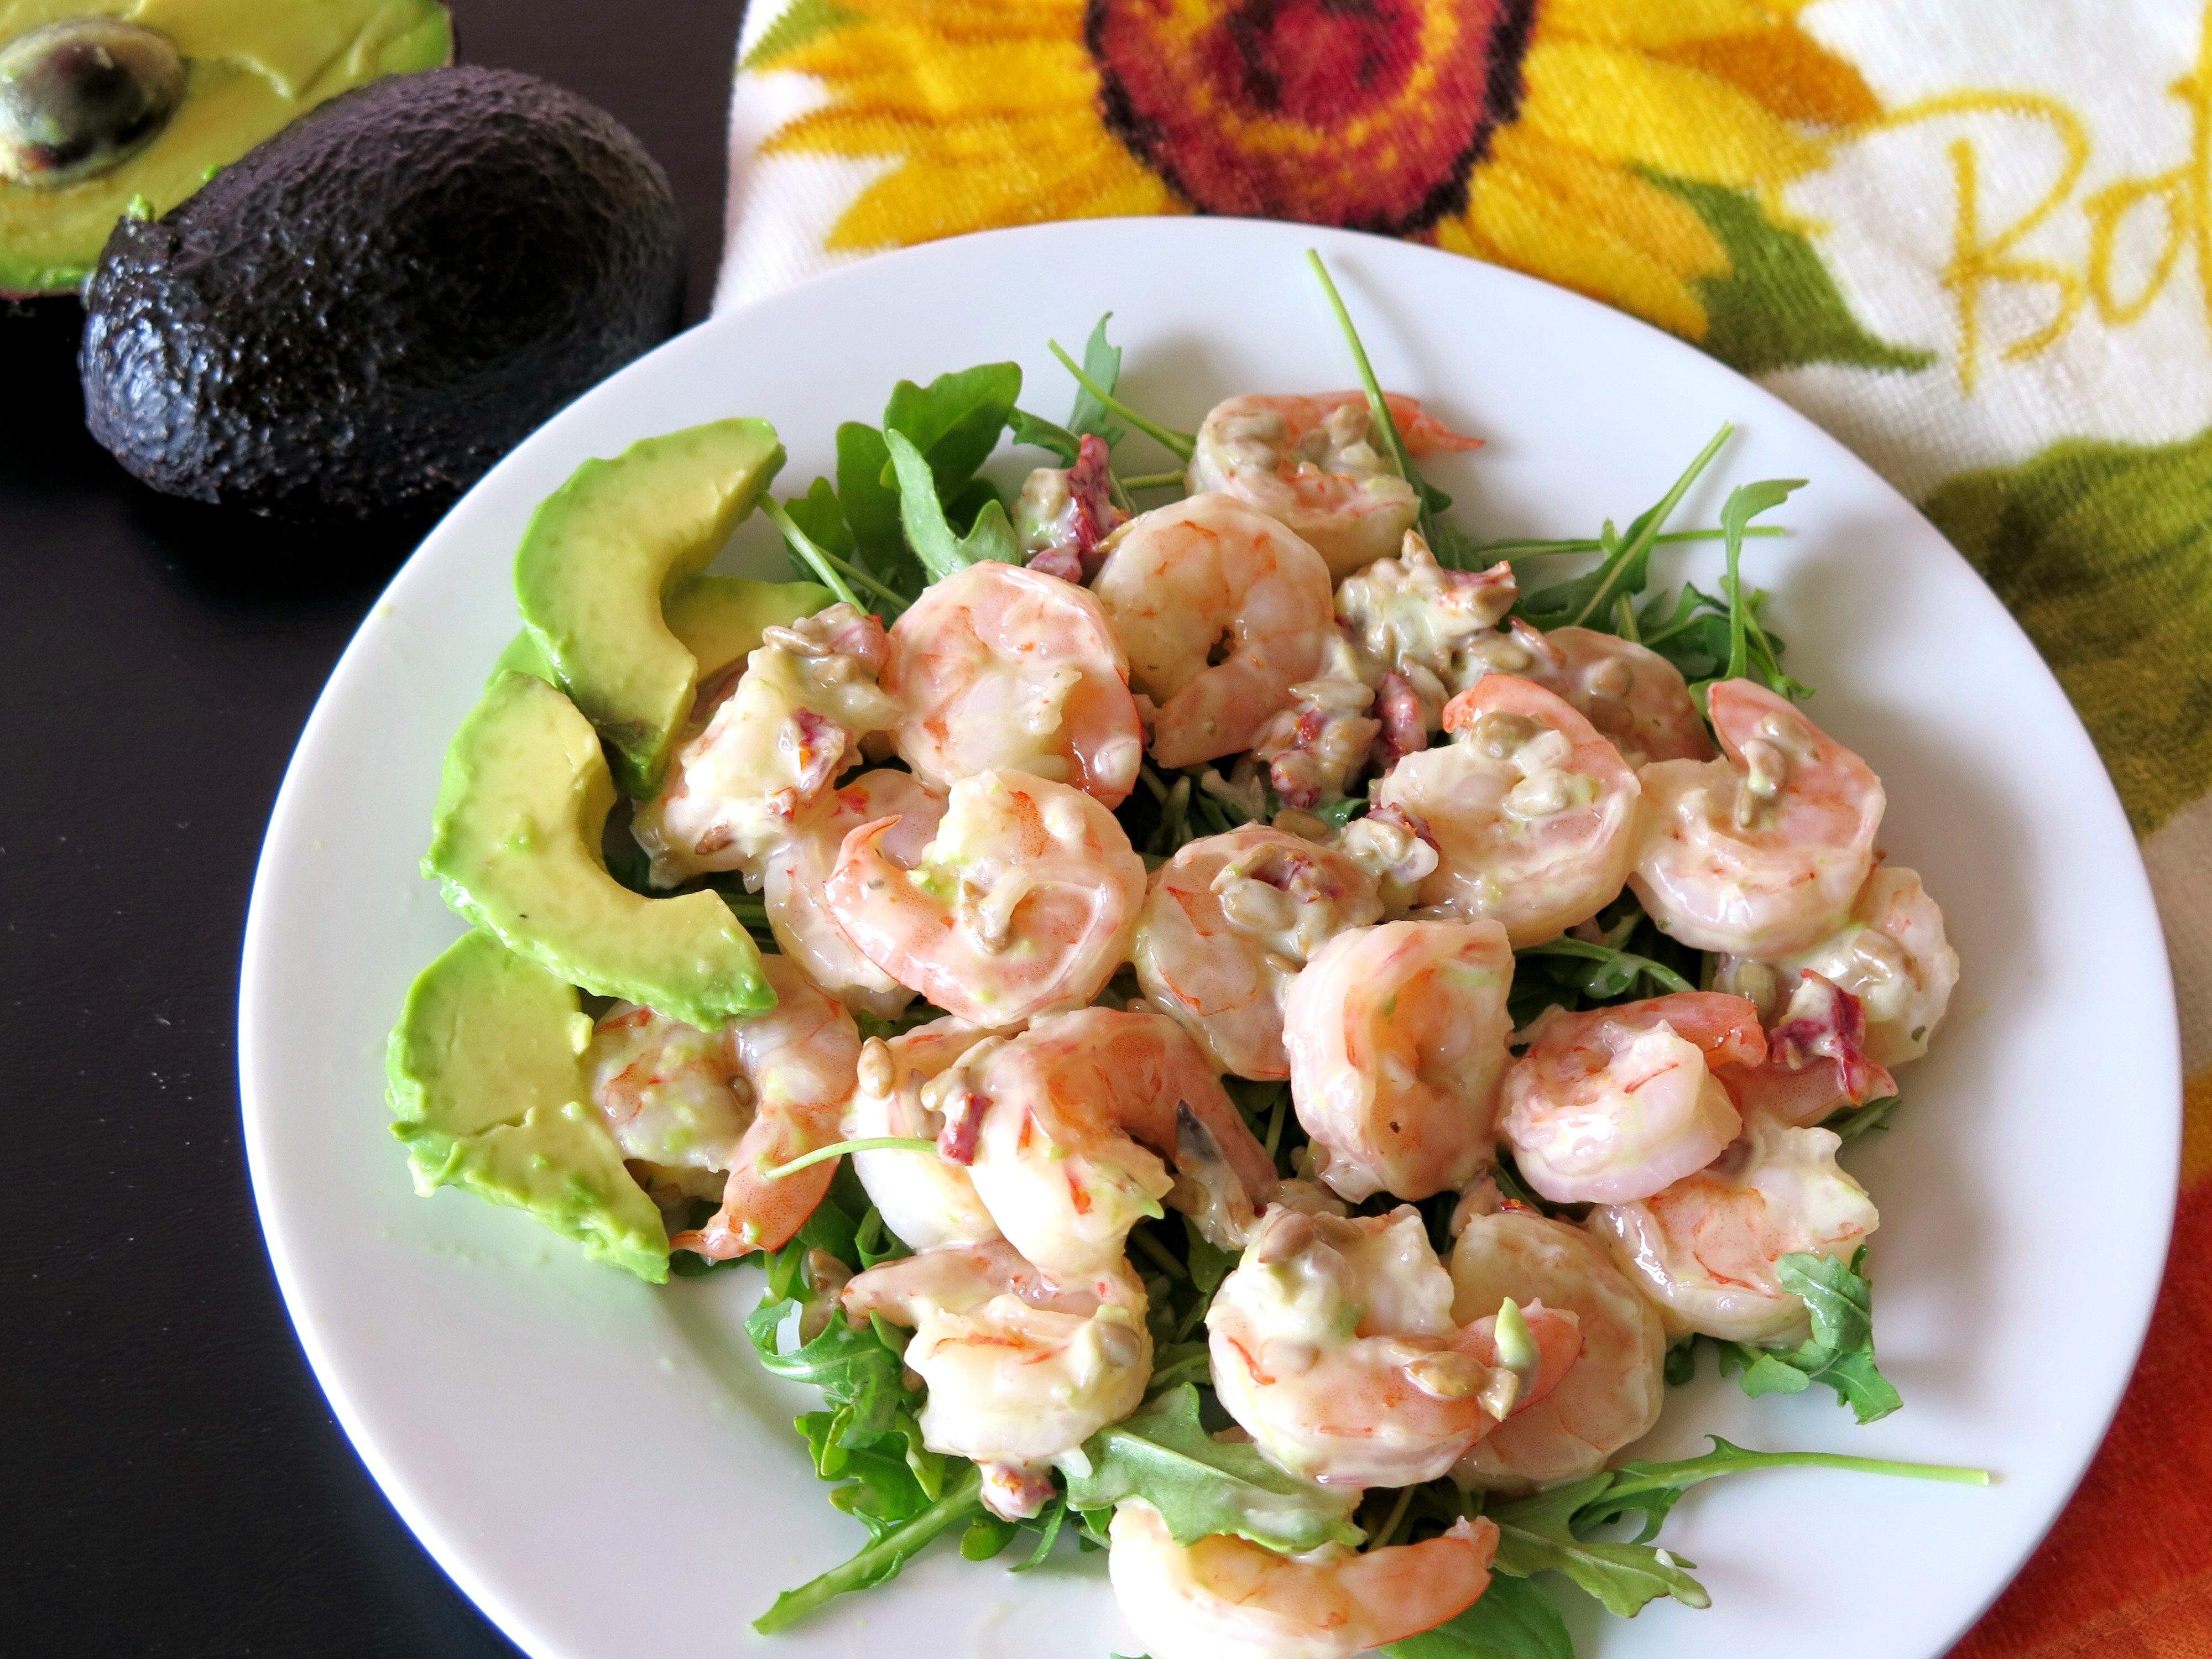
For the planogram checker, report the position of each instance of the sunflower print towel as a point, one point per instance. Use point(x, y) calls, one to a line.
point(1974, 240)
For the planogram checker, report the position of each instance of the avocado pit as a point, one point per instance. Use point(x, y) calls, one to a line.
point(80, 97)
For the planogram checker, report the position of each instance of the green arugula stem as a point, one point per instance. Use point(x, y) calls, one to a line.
point(1158, 1252)
point(1525, 547)
point(1646, 530)
point(1388, 1533)
point(804, 545)
point(1155, 481)
point(1199, 1368)
point(889, 595)
point(1584, 949)
point(1629, 1484)
point(1182, 445)
point(868, 1144)
point(1378, 406)
point(1153, 781)
point(962, 1500)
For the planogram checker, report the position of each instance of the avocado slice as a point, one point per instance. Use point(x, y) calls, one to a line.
point(599, 557)
point(250, 68)
point(488, 1091)
point(516, 846)
point(718, 619)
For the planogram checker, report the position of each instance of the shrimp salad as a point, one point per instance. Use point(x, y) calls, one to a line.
point(1278, 1032)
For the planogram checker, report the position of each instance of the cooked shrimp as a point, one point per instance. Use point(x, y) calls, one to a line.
point(1891, 954)
point(770, 750)
point(1067, 1125)
point(1312, 463)
point(1816, 1060)
point(1435, 629)
point(1022, 1368)
point(998, 668)
point(795, 873)
point(1225, 1597)
point(1024, 902)
point(926, 1199)
point(1705, 1249)
point(1533, 813)
point(1615, 1103)
point(1334, 1346)
point(757, 1093)
point(1759, 854)
point(1629, 692)
point(1396, 1037)
point(1612, 1392)
point(1181, 583)
point(1227, 924)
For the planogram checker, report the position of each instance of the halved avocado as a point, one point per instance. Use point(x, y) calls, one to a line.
point(488, 1091)
point(601, 554)
point(251, 68)
point(516, 846)
point(718, 619)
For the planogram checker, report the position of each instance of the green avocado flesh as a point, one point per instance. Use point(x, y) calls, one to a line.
point(718, 619)
point(251, 68)
point(488, 1091)
point(516, 846)
point(598, 557)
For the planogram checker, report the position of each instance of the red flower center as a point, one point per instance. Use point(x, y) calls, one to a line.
point(1366, 113)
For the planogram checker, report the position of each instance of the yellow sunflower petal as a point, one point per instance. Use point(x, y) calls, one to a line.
point(1652, 25)
point(1790, 73)
point(1640, 111)
point(1515, 220)
point(1658, 222)
point(950, 194)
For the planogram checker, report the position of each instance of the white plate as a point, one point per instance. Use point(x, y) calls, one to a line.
point(604, 1469)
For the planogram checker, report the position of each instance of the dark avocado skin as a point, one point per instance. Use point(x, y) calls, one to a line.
point(361, 315)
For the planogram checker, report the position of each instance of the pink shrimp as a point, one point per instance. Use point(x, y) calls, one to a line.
point(1025, 903)
point(756, 1094)
point(1000, 668)
point(1228, 923)
point(1075, 1118)
point(1180, 584)
point(1761, 854)
point(1315, 465)
point(1532, 813)
point(1615, 1103)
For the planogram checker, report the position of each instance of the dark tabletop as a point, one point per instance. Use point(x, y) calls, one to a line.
point(172, 1480)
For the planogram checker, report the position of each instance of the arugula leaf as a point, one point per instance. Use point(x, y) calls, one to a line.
point(1163, 1455)
point(1745, 503)
point(955, 421)
point(884, 1555)
point(1587, 601)
point(1852, 1121)
point(1653, 1489)
point(1179, 444)
point(929, 533)
point(987, 1535)
point(872, 509)
point(859, 1373)
point(1513, 1620)
point(1618, 970)
point(1840, 1351)
point(1536, 1534)
point(1103, 363)
point(1041, 434)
